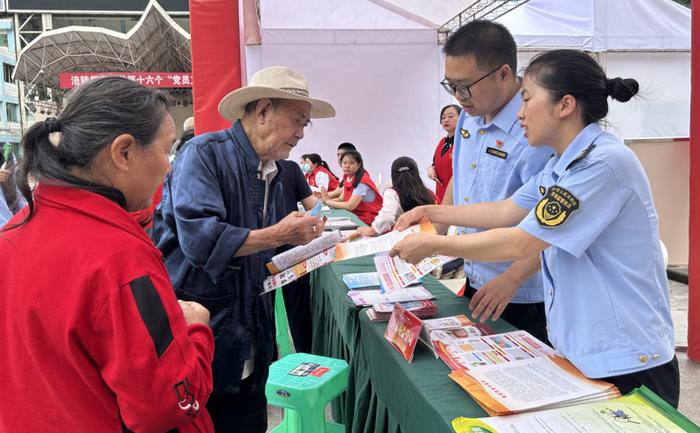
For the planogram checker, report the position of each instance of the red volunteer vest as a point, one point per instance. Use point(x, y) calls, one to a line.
point(443, 169)
point(332, 180)
point(365, 211)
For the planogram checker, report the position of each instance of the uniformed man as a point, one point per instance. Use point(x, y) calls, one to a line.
point(491, 161)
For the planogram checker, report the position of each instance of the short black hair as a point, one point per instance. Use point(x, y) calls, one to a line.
point(346, 146)
point(490, 43)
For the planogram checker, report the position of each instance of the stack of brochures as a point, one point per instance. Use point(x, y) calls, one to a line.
point(362, 280)
point(382, 312)
point(515, 372)
point(438, 333)
point(640, 411)
point(366, 298)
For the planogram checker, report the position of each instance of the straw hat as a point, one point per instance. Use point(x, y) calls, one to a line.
point(273, 82)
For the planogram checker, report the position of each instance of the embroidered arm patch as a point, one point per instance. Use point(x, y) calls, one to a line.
point(555, 207)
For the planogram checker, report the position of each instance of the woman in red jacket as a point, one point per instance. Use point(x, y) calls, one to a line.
point(359, 194)
point(441, 170)
point(93, 339)
point(318, 174)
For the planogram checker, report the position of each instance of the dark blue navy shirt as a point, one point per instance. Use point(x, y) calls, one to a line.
point(212, 199)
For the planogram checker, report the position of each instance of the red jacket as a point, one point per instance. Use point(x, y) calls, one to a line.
point(365, 211)
point(443, 168)
point(92, 337)
point(332, 180)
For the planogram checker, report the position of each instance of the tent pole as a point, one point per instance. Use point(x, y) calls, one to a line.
point(694, 229)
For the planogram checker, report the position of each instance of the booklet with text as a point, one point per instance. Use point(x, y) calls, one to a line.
point(530, 383)
point(366, 298)
point(640, 411)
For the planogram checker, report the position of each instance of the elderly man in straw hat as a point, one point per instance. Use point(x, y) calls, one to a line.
point(221, 221)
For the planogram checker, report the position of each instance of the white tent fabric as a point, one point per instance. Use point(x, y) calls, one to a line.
point(601, 25)
point(381, 70)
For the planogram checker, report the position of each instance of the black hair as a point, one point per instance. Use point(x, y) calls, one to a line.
point(455, 106)
point(405, 179)
point(490, 43)
point(186, 135)
point(354, 154)
point(575, 73)
point(346, 146)
point(94, 114)
point(316, 159)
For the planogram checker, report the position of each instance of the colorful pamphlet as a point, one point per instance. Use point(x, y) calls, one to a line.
point(285, 277)
point(366, 298)
point(402, 331)
point(380, 244)
point(382, 312)
point(361, 279)
point(475, 352)
point(530, 383)
point(445, 330)
point(395, 273)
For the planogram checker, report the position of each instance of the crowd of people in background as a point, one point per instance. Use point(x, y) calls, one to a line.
point(166, 328)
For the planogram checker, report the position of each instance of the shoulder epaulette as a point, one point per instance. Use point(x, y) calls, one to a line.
point(581, 156)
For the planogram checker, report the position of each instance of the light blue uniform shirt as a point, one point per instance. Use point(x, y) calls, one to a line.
point(490, 162)
point(606, 292)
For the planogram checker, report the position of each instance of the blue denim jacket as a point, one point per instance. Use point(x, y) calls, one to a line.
point(211, 200)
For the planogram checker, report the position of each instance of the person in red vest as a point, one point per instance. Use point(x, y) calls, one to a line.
point(441, 170)
point(318, 174)
point(359, 193)
point(92, 336)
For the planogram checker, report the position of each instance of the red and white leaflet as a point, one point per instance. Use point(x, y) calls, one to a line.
point(402, 331)
point(300, 269)
point(395, 273)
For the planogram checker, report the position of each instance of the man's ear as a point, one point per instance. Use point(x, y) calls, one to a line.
point(122, 151)
point(505, 72)
point(262, 109)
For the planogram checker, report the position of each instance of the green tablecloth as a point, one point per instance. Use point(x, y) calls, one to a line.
point(385, 393)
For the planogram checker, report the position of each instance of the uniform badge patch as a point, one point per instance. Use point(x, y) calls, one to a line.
point(496, 152)
point(555, 207)
point(464, 132)
point(499, 144)
point(542, 190)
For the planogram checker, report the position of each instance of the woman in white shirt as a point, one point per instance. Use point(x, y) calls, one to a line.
point(407, 191)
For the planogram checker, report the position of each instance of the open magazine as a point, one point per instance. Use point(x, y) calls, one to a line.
point(640, 411)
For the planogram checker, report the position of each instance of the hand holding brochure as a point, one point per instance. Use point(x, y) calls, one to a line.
point(300, 253)
point(379, 244)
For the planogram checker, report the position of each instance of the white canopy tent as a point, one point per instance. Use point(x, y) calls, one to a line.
point(380, 65)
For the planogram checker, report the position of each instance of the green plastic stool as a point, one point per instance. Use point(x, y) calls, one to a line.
point(303, 384)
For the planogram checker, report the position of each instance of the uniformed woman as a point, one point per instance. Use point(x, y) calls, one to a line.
point(591, 215)
point(92, 336)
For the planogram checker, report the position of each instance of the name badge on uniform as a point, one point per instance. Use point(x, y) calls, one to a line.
point(464, 133)
point(496, 152)
point(555, 207)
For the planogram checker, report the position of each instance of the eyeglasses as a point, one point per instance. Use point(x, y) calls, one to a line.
point(460, 90)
